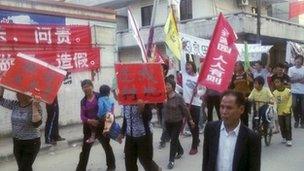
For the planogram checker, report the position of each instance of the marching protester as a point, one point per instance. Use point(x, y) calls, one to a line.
point(262, 95)
point(212, 100)
point(296, 74)
point(175, 109)
point(105, 106)
point(280, 73)
point(242, 82)
point(136, 128)
point(190, 92)
point(284, 101)
point(51, 126)
point(228, 144)
point(165, 136)
point(26, 118)
point(89, 111)
point(260, 71)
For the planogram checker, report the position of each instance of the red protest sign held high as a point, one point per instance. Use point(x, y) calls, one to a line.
point(218, 66)
point(140, 83)
point(33, 77)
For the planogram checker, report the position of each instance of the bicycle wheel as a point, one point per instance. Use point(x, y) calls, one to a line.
point(267, 134)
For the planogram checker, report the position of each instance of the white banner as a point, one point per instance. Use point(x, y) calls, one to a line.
point(194, 46)
point(198, 47)
point(255, 51)
point(293, 49)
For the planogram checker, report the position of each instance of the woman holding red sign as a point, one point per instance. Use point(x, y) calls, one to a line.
point(26, 118)
point(139, 137)
point(175, 109)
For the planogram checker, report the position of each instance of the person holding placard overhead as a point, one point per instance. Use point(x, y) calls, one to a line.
point(26, 118)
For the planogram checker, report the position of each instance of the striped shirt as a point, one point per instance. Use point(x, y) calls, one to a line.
point(22, 126)
point(136, 124)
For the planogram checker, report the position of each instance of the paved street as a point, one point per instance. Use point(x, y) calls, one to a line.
point(277, 157)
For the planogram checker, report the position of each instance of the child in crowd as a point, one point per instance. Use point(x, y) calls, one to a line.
point(284, 101)
point(261, 95)
point(106, 115)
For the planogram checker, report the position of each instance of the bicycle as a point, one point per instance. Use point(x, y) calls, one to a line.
point(262, 123)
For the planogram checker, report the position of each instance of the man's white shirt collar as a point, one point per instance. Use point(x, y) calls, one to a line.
point(235, 131)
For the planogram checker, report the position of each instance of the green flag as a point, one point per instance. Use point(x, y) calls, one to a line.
point(246, 56)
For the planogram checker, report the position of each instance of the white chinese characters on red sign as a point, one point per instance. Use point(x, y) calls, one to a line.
point(63, 35)
point(44, 35)
point(217, 70)
point(2, 35)
point(6, 61)
point(66, 61)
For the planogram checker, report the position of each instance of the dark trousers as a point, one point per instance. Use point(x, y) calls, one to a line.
point(165, 137)
point(86, 148)
point(213, 102)
point(195, 114)
point(298, 107)
point(139, 148)
point(51, 127)
point(285, 126)
point(244, 116)
point(25, 152)
point(175, 146)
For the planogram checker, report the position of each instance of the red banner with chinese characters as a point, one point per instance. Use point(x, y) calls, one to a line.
point(33, 77)
point(218, 66)
point(69, 60)
point(140, 82)
point(44, 34)
point(296, 8)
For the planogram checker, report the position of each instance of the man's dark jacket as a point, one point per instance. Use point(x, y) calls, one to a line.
point(247, 154)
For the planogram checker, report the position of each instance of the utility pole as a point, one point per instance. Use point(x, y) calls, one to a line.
point(259, 20)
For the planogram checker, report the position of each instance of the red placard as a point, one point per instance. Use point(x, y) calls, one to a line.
point(44, 34)
point(30, 74)
point(144, 82)
point(70, 60)
point(222, 53)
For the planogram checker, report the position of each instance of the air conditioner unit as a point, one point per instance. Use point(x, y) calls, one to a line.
point(243, 2)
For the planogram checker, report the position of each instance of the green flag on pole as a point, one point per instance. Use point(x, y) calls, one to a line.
point(246, 56)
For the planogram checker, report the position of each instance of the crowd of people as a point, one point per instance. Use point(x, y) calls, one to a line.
point(229, 143)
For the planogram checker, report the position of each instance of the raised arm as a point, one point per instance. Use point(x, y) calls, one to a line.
point(37, 114)
point(9, 104)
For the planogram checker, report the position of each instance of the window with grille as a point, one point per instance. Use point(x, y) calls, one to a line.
point(185, 9)
point(146, 13)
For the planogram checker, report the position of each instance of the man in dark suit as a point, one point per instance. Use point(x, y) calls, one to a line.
point(228, 144)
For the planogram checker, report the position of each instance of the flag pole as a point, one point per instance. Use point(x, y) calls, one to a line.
point(145, 59)
point(151, 31)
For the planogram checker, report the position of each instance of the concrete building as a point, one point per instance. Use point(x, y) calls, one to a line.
point(103, 28)
point(198, 18)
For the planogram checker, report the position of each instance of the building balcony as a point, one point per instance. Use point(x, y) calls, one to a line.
point(243, 23)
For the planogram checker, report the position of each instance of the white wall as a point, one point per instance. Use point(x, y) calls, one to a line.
point(69, 96)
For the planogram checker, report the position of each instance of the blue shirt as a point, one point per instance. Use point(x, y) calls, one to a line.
point(105, 105)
